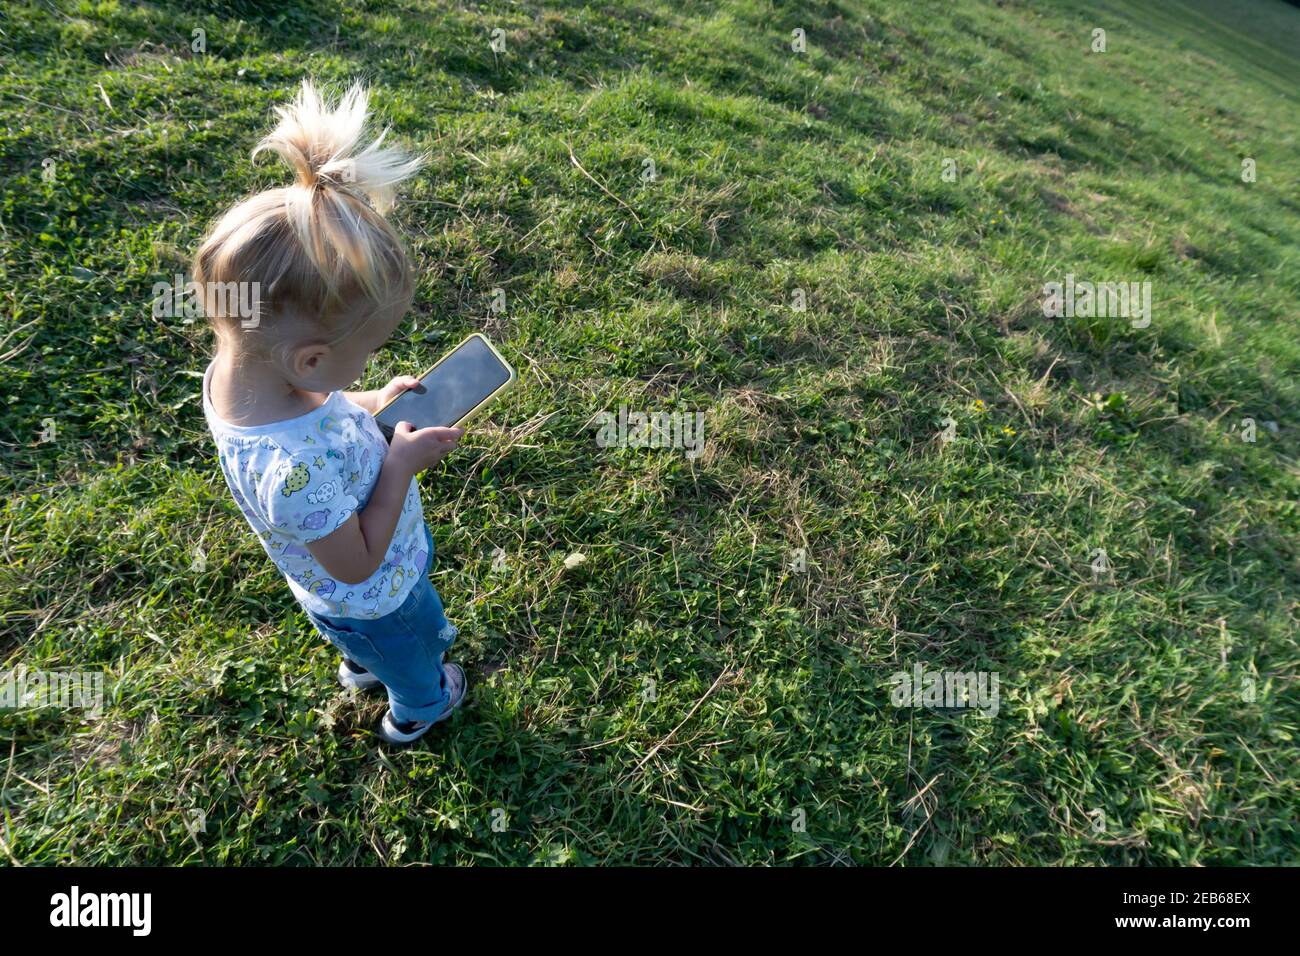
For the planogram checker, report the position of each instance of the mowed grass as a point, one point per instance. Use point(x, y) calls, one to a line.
point(687, 695)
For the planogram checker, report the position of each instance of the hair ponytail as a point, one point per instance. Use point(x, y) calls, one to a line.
point(318, 141)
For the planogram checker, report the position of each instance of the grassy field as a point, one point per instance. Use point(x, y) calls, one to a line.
point(949, 460)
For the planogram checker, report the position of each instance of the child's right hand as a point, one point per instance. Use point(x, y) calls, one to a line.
point(419, 448)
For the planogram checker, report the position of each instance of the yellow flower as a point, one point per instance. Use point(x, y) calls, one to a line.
point(1007, 430)
point(980, 406)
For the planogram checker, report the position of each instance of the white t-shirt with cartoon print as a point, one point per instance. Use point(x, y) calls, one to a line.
point(298, 480)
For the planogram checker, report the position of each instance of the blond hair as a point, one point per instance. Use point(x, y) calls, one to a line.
point(320, 250)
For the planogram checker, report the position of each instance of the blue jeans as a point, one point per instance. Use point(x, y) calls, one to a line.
point(403, 649)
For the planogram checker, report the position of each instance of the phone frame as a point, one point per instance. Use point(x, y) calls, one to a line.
point(487, 400)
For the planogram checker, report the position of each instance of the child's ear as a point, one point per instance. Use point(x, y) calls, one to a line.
point(306, 359)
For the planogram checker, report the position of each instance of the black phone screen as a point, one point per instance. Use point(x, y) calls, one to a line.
point(451, 389)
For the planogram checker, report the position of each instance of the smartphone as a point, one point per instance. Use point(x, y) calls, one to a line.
point(454, 390)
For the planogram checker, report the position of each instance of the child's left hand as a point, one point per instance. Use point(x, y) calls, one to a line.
point(396, 387)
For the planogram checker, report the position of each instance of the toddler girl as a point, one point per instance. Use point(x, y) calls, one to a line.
point(335, 505)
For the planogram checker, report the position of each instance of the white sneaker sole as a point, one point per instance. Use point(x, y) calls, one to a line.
point(354, 681)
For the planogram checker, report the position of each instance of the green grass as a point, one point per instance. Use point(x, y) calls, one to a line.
point(1121, 698)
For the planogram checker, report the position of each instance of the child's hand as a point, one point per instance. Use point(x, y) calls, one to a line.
point(419, 448)
point(396, 387)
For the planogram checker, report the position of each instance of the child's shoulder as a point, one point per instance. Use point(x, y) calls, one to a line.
point(306, 489)
point(329, 429)
point(304, 474)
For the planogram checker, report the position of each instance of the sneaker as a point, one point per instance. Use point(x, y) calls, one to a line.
point(403, 732)
point(355, 677)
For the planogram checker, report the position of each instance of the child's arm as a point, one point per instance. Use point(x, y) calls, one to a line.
point(353, 552)
point(375, 399)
